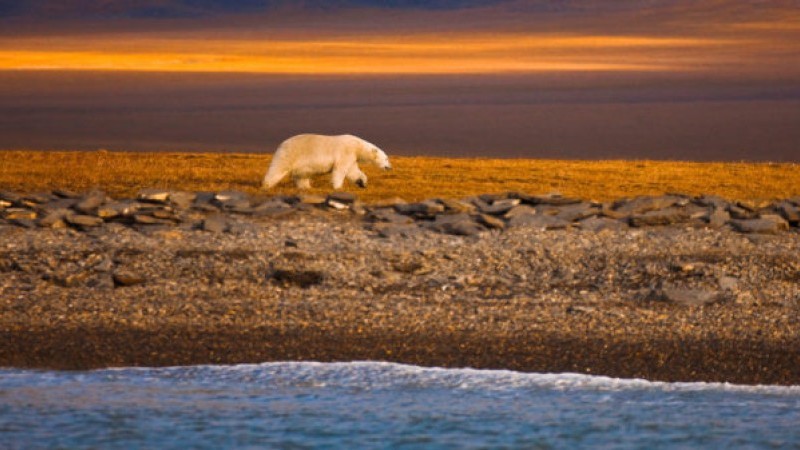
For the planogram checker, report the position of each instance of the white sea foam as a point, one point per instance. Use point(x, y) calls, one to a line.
point(383, 375)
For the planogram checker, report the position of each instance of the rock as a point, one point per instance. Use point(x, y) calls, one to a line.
point(660, 217)
point(33, 200)
point(388, 216)
point(301, 278)
point(123, 278)
point(643, 204)
point(342, 197)
point(537, 221)
point(490, 221)
point(120, 208)
point(54, 218)
point(499, 207)
point(227, 196)
point(520, 211)
point(311, 199)
point(58, 203)
point(24, 223)
point(577, 211)
point(70, 279)
point(790, 212)
point(714, 201)
point(83, 222)
point(457, 224)
point(754, 205)
point(727, 283)
point(10, 197)
point(554, 199)
point(89, 203)
point(333, 204)
point(740, 213)
point(146, 219)
point(66, 193)
point(456, 206)
point(388, 230)
point(426, 208)
point(767, 224)
point(181, 199)
point(215, 224)
point(18, 213)
point(202, 198)
point(688, 297)
point(596, 224)
point(718, 218)
point(153, 195)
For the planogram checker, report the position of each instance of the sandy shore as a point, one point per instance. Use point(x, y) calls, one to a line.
point(676, 302)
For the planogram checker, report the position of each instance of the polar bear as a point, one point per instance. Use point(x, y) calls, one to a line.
point(305, 155)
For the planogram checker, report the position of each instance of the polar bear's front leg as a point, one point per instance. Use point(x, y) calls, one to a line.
point(355, 175)
point(302, 182)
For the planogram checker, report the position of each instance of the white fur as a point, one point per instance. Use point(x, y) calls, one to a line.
point(306, 155)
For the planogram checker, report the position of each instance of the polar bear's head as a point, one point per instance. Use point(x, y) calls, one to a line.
point(373, 154)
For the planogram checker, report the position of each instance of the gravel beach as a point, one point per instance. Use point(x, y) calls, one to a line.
point(672, 287)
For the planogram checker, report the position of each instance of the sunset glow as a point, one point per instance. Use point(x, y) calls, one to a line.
point(434, 54)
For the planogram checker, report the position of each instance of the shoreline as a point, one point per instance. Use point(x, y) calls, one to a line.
point(664, 288)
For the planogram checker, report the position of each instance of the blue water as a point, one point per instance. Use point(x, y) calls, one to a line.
point(382, 405)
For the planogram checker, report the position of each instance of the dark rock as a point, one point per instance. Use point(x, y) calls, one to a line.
point(18, 213)
point(601, 223)
point(740, 213)
point(203, 198)
point(301, 278)
point(499, 207)
point(714, 201)
point(643, 204)
point(388, 230)
point(577, 211)
point(227, 196)
point(24, 223)
point(790, 212)
point(491, 198)
point(146, 219)
point(457, 224)
point(59, 203)
point(520, 210)
point(660, 217)
point(10, 197)
point(767, 224)
point(388, 216)
point(537, 221)
point(215, 224)
point(32, 200)
point(70, 279)
point(123, 278)
point(554, 199)
point(153, 195)
point(83, 221)
point(342, 197)
point(89, 203)
point(426, 208)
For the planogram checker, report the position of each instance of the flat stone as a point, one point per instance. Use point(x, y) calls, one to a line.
point(660, 217)
point(83, 221)
point(754, 205)
point(499, 207)
point(37, 199)
point(54, 218)
point(58, 203)
point(226, 196)
point(215, 224)
point(643, 204)
point(456, 206)
point(24, 223)
point(388, 230)
point(714, 201)
point(520, 210)
point(387, 215)
point(298, 277)
point(740, 213)
point(18, 213)
point(767, 224)
point(537, 221)
point(311, 199)
point(689, 297)
point(120, 208)
point(66, 193)
point(461, 228)
point(790, 212)
point(337, 205)
point(182, 199)
point(146, 219)
point(554, 198)
point(89, 203)
point(153, 195)
point(123, 278)
point(424, 208)
point(491, 222)
point(577, 211)
point(718, 218)
point(10, 197)
point(342, 197)
point(597, 224)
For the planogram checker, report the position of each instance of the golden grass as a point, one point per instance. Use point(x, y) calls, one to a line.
point(413, 178)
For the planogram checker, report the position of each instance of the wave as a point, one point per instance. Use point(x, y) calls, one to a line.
point(375, 375)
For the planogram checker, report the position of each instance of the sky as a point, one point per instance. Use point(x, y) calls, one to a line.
point(647, 79)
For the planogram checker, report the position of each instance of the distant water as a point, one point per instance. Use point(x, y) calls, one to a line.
point(383, 405)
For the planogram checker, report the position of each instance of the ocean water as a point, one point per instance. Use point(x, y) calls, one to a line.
point(383, 405)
